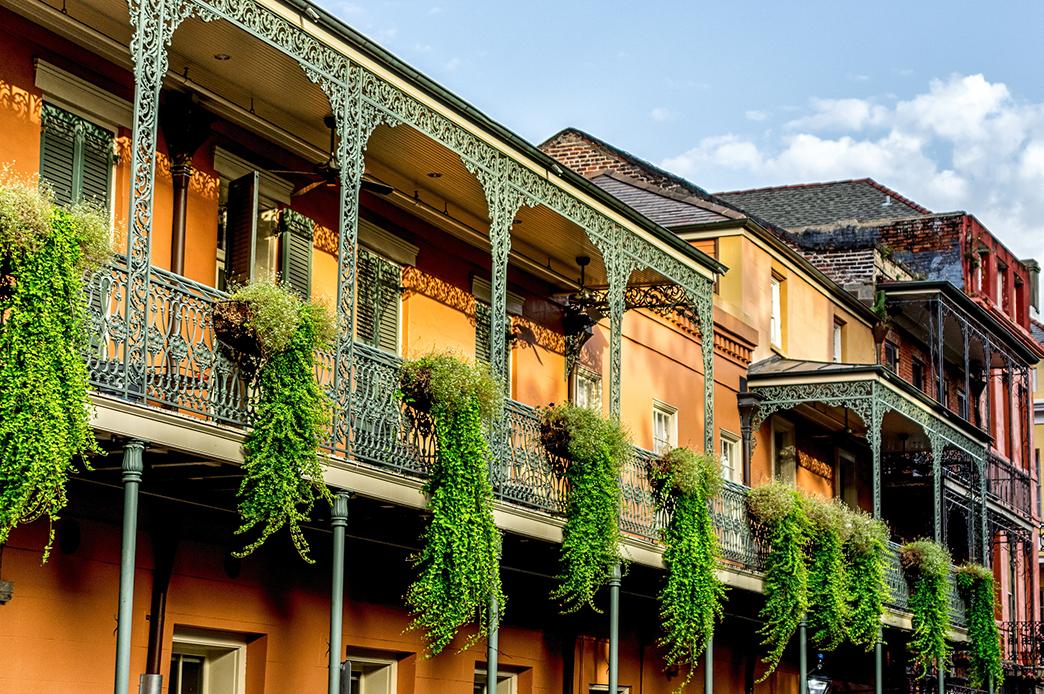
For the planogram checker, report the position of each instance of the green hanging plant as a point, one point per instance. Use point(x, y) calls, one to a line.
point(778, 509)
point(588, 451)
point(46, 254)
point(828, 580)
point(866, 551)
point(976, 583)
point(691, 600)
point(458, 563)
point(282, 475)
point(927, 567)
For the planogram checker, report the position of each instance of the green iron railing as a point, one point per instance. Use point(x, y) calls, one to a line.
point(187, 373)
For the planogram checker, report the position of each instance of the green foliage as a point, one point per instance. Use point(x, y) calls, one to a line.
point(866, 547)
point(691, 600)
point(828, 607)
point(459, 561)
point(927, 566)
point(778, 509)
point(45, 253)
point(596, 449)
point(976, 583)
point(282, 476)
point(445, 379)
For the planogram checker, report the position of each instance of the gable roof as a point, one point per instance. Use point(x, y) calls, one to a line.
point(665, 208)
point(811, 204)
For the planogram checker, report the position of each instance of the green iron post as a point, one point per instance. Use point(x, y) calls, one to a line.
point(708, 667)
point(492, 646)
point(339, 522)
point(614, 629)
point(803, 657)
point(132, 469)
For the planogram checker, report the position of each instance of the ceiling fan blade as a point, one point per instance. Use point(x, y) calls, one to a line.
point(377, 187)
point(304, 174)
point(308, 187)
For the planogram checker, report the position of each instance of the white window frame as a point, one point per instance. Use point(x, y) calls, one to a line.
point(393, 672)
point(838, 341)
point(195, 642)
point(582, 373)
point(776, 312)
point(671, 414)
point(510, 679)
point(620, 688)
point(733, 471)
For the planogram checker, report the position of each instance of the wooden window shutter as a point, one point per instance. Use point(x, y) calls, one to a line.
point(295, 248)
point(483, 334)
point(76, 157)
point(241, 229)
point(378, 301)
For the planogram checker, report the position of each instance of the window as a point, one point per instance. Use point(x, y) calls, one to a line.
point(731, 469)
point(507, 682)
point(378, 301)
point(76, 157)
point(370, 675)
point(847, 484)
point(784, 451)
point(776, 321)
point(1002, 286)
point(204, 662)
point(587, 389)
point(891, 351)
point(962, 403)
point(838, 341)
point(665, 427)
point(602, 688)
point(917, 374)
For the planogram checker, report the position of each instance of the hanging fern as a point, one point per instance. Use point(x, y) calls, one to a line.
point(828, 609)
point(46, 253)
point(866, 547)
point(691, 601)
point(282, 475)
point(779, 510)
point(459, 561)
point(976, 583)
point(595, 450)
point(927, 567)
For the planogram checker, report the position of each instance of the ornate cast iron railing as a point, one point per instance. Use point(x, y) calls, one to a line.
point(1009, 486)
point(188, 374)
point(1022, 644)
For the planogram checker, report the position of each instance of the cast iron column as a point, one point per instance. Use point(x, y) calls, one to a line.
point(708, 667)
point(879, 665)
point(338, 521)
point(803, 657)
point(492, 646)
point(132, 469)
point(180, 174)
point(614, 629)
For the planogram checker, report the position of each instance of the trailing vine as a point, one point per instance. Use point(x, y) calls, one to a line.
point(828, 580)
point(589, 452)
point(282, 475)
point(976, 583)
point(927, 567)
point(778, 509)
point(459, 561)
point(866, 547)
point(46, 253)
point(691, 600)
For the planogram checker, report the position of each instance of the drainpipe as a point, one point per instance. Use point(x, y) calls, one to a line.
point(165, 544)
point(614, 628)
point(181, 174)
point(132, 469)
point(492, 646)
point(339, 522)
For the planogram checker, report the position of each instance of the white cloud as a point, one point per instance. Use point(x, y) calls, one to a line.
point(963, 143)
point(661, 114)
point(756, 116)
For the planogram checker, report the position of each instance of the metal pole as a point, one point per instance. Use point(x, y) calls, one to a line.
point(492, 646)
point(132, 469)
point(803, 657)
point(942, 677)
point(708, 667)
point(614, 629)
point(879, 665)
point(338, 522)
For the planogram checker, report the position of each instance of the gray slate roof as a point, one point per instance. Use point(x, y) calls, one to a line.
point(799, 206)
point(665, 210)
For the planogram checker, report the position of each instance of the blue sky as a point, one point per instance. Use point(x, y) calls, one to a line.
point(943, 101)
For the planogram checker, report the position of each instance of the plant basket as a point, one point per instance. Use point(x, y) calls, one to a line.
point(555, 437)
point(416, 389)
point(231, 319)
point(659, 472)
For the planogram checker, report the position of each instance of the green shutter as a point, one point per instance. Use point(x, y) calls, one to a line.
point(483, 334)
point(76, 157)
point(378, 301)
point(295, 249)
point(241, 229)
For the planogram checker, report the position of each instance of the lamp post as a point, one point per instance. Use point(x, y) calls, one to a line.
point(818, 682)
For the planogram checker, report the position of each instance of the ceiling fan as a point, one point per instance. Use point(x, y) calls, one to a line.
point(582, 309)
point(328, 173)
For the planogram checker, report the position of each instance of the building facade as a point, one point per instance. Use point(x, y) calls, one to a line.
point(233, 141)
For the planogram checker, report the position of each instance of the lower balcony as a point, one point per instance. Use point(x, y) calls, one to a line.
point(1022, 644)
point(187, 374)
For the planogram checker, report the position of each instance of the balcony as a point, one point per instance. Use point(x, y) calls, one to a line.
point(187, 374)
point(1009, 486)
point(1022, 644)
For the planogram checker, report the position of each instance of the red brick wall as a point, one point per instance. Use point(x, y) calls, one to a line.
point(589, 159)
